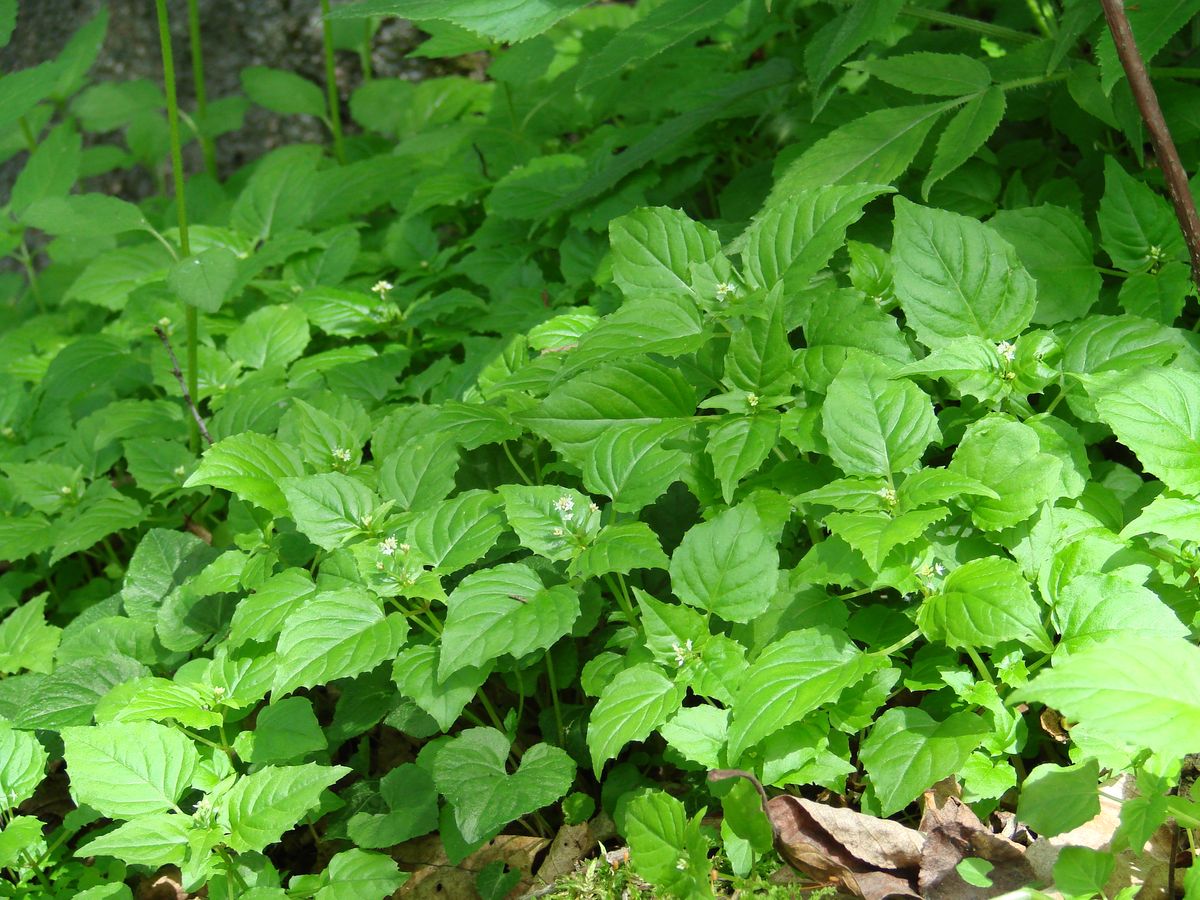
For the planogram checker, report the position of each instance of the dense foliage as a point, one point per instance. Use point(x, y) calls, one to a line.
point(807, 388)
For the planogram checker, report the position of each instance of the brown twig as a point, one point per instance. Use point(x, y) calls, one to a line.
point(723, 774)
point(178, 373)
point(1160, 135)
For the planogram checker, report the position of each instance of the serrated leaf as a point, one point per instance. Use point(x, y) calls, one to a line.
point(261, 806)
point(329, 509)
point(667, 324)
point(876, 534)
point(1093, 607)
point(873, 424)
point(335, 634)
point(1007, 457)
point(271, 336)
point(459, 531)
point(357, 875)
point(204, 279)
point(666, 847)
point(413, 809)
point(156, 700)
point(84, 216)
point(908, 750)
point(68, 695)
point(249, 465)
point(22, 766)
point(504, 609)
point(940, 74)
point(94, 519)
point(956, 278)
point(415, 673)
point(260, 616)
point(698, 733)
point(1175, 518)
point(470, 771)
point(27, 640)
point(965, 133)
point(983, 603)
point(1153, 24)
point(1056, 799)
point(620, 548)
point(507, 20)
point(553, 522)
point(790, 678)
point(50, 171)
point(858, 24)
point(634, 703)
point(630, 464)
point(1136, 225)
point(728, 565)
point(282, 92)
point(654, 249)
point(738, 446)
point(131, 769)
point(154, 840)
point(1133, 691)
point(419, 473)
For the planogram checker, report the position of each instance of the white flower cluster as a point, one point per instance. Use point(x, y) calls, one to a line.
point(341, 454)
point(381, 287)
point(1006, 350)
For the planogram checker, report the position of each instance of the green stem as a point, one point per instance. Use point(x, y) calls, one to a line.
point(490, 710)
point(622, 601)
point(553, 681)
point(206, 143)
point(516, 465)
point(980, 665)
point(27, 133)
point(963, 23)
point(364, 51)
point(900, 644)
point(190, 315)
point(1039, 18)
point(335, 110)
point(31, 273)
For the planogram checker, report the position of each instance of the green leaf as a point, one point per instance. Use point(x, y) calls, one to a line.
point(660, 29)
point(251, 466)
point(634, 703)
point(285, 731)
point(419, 473)
point(698, 733)
point(621, 548)
point(105, 513)
point(876, 534)
point(470, 772)
point(457, 532)
point(838, 39)
point(84, 216)
point(957, 278)
point(413, 809)
point(1055, 246)
point(738, 446)
point(335, 634)
point(22, 90)
point(261, 616)
point(329, 509)
point(154, 840)
point(908, 751)
point(666, 848)
point(357, 875)
point(966, 132)
point(1095, 607)
point(760, 358)
point(508, 20)
point(504, 609)
point(983, 603)
point(1057, 799)
point(204, 279)
point(1152, 25)
point(8, 20)
point(415, 673)
point(1006, 457)
point(156, 699)
point(110, 278)
point(636, 393)
point(791, 678)
point(50, 171)
point(873, 424)
point(1175, 518)
point(271, 336)
point(279, 195)
point(940, 74)
point(728, 565)
point(876, 149)
point(27, 640)
point(533, 191)
point(793, 240)
point(654, 249)
point(669, 325)
point(283, 92)
point(1136, 225)
point(68, 695)
point(553, 522)
point(130, 769)
point(261, 806)
point(630, 464)
point(22, 766)
point(1156, 414)
point(1130, 690)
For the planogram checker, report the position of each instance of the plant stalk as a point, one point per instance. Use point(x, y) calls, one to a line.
point(331, 88)
point(206, 143)
point(191, 317)
point(1156, 125)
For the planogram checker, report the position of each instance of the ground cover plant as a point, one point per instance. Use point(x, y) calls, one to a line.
point(721, 427)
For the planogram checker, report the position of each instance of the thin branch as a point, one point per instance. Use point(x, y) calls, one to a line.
point(1156, 125)
point(187, 397)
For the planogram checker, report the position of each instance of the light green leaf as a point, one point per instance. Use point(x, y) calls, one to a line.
point(415, 673)
point(50, 171)
point(413, 809)
point(286, 731)
point(1056, 799)
point(838, 39)
point(204, 279)
point(22, 766)
point(1136, 225)
point(908, 751)
point(84, 216)
point(68, 695)
point(271, 336)
point(630, 464)
point(876, 534)
point(27, 640)
point(1175, 518)
point(1131, 690)
point(156, 700)
point(261, 616)
point(728, 565)
point(504, 609)
point(329, 509)
point(956, 277)
point(111, 277)
point(966, 132)
point(124, 770)
point(279, 195)
point(105, 513)
point(1156, 414)
point(654, 249)
point(459, 531)
point(634, 703)
point(1094, 607)
point(154, 840)
point(261, 806)
point(283, 92)
point(698, 733)
point(1006, 456)
point(534, 190)
point(357, 875)
point(419, 473)
point(793, 676)
point(553, 522)
point(620, 548)
point(666, 848)
point(738, 445)
point(506, 20)
point(873, 424)
point(667, 324)
point(760, 358)
point(983, 603)
point(940, 74)
point(471, 772)
point(249, 465)
point(335, 634)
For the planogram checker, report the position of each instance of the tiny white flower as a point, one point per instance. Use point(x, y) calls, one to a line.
point(404, 548)
point(724, 289)
point(752, 399)
point(682, 652)
point(681, 864)
point(388, 546)
point(341, 454)
point(939, 569)
point(164, 323)
point(557, 532)
point(64, 490)
point(888, 494)
point(593, 507)
point(1007, 350)
point(218, 691)
point(565, 503)
point(381, 287)
point(379, 565)
point(179, 471)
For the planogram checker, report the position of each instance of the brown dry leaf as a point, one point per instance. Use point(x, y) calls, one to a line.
point(434, 876)
point(874, 858)
point(165, 884)
point(570, 845)
point(1055, 725)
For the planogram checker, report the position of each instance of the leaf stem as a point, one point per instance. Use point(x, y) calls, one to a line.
point(331, 88)
point(206, 143)
point(27, 133)
point(31, 273)
point(979, 664)
point(900, 644)
point(616, 587)
point(190, 314)
point(516, 465)
point(187, 394)
point(553, 682)
point(489, 709)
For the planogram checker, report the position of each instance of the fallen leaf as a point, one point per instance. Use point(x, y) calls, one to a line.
point(433, 875)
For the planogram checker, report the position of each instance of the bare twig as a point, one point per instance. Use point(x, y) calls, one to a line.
point(1160, 135)
point(177, 372)
point(722, 774)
